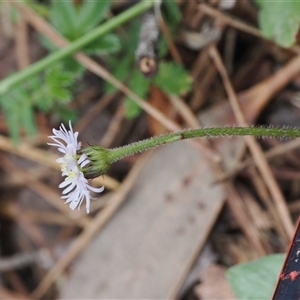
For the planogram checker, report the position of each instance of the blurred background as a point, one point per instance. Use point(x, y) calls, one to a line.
point(170, 221)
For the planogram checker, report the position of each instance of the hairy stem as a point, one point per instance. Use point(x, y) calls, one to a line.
point(118, 153)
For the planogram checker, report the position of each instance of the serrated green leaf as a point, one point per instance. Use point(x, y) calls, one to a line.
point(16, 106)
point(56, 75)
point(106, 44)
point(91, 13)
point(172, 78)
point(256, 279)
point(139, 85)
point(71, 65)
point(58, 83)
point(279, 20)
point(73, 22)
point(63, 16)
point(27, 119)
point(45, 91)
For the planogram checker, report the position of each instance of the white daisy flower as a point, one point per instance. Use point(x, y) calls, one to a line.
point(76, 186)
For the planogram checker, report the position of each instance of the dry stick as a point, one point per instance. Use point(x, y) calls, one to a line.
point(113, 128)
point(259, 218)
point(262, 191)
point(93, 111)
point(255, 149)
point(173, 50)
point(240, 213)
point(42, 26)
point(202, 66)
point(233, 22)
point(94, 226)
point(21, 38)
point(146, 52)
point(186, 113)
point(9, 295)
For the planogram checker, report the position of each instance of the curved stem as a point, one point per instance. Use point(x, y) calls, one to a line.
point(118, 153)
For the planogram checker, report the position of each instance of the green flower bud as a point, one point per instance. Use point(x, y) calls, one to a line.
point(99, 161)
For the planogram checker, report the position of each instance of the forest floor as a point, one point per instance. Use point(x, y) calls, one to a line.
point(170, 221)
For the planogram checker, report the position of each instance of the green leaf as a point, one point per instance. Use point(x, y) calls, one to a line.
point(63, 16)
point(279, 20)
point(139, 85)
point(163, 47)
point(172, 78)
point(91, 13)
point(18, 112)
point(256, 279)
point(132, 110)
point(172, 12)
point(28, 119)
point(106, 44)
point(73, 22)
point(120, 73)
point(58, 83)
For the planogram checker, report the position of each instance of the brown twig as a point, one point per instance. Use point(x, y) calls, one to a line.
point(241, 215)
point(21, 38)
point(93, 112)
point(113, 128)
point(173, 50)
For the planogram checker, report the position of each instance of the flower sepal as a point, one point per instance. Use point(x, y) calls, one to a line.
point(99, 161)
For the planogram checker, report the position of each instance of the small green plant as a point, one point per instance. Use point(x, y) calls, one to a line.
point(74, 21)
point(51, 90)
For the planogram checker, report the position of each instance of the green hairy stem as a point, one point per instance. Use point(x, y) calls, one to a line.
point(116, 154)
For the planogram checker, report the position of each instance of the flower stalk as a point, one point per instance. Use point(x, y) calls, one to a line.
point(270, 132)
point(78, 164)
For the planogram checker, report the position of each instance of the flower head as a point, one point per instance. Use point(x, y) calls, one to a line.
point(76, 186)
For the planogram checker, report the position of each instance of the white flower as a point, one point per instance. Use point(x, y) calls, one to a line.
point(76, 186)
